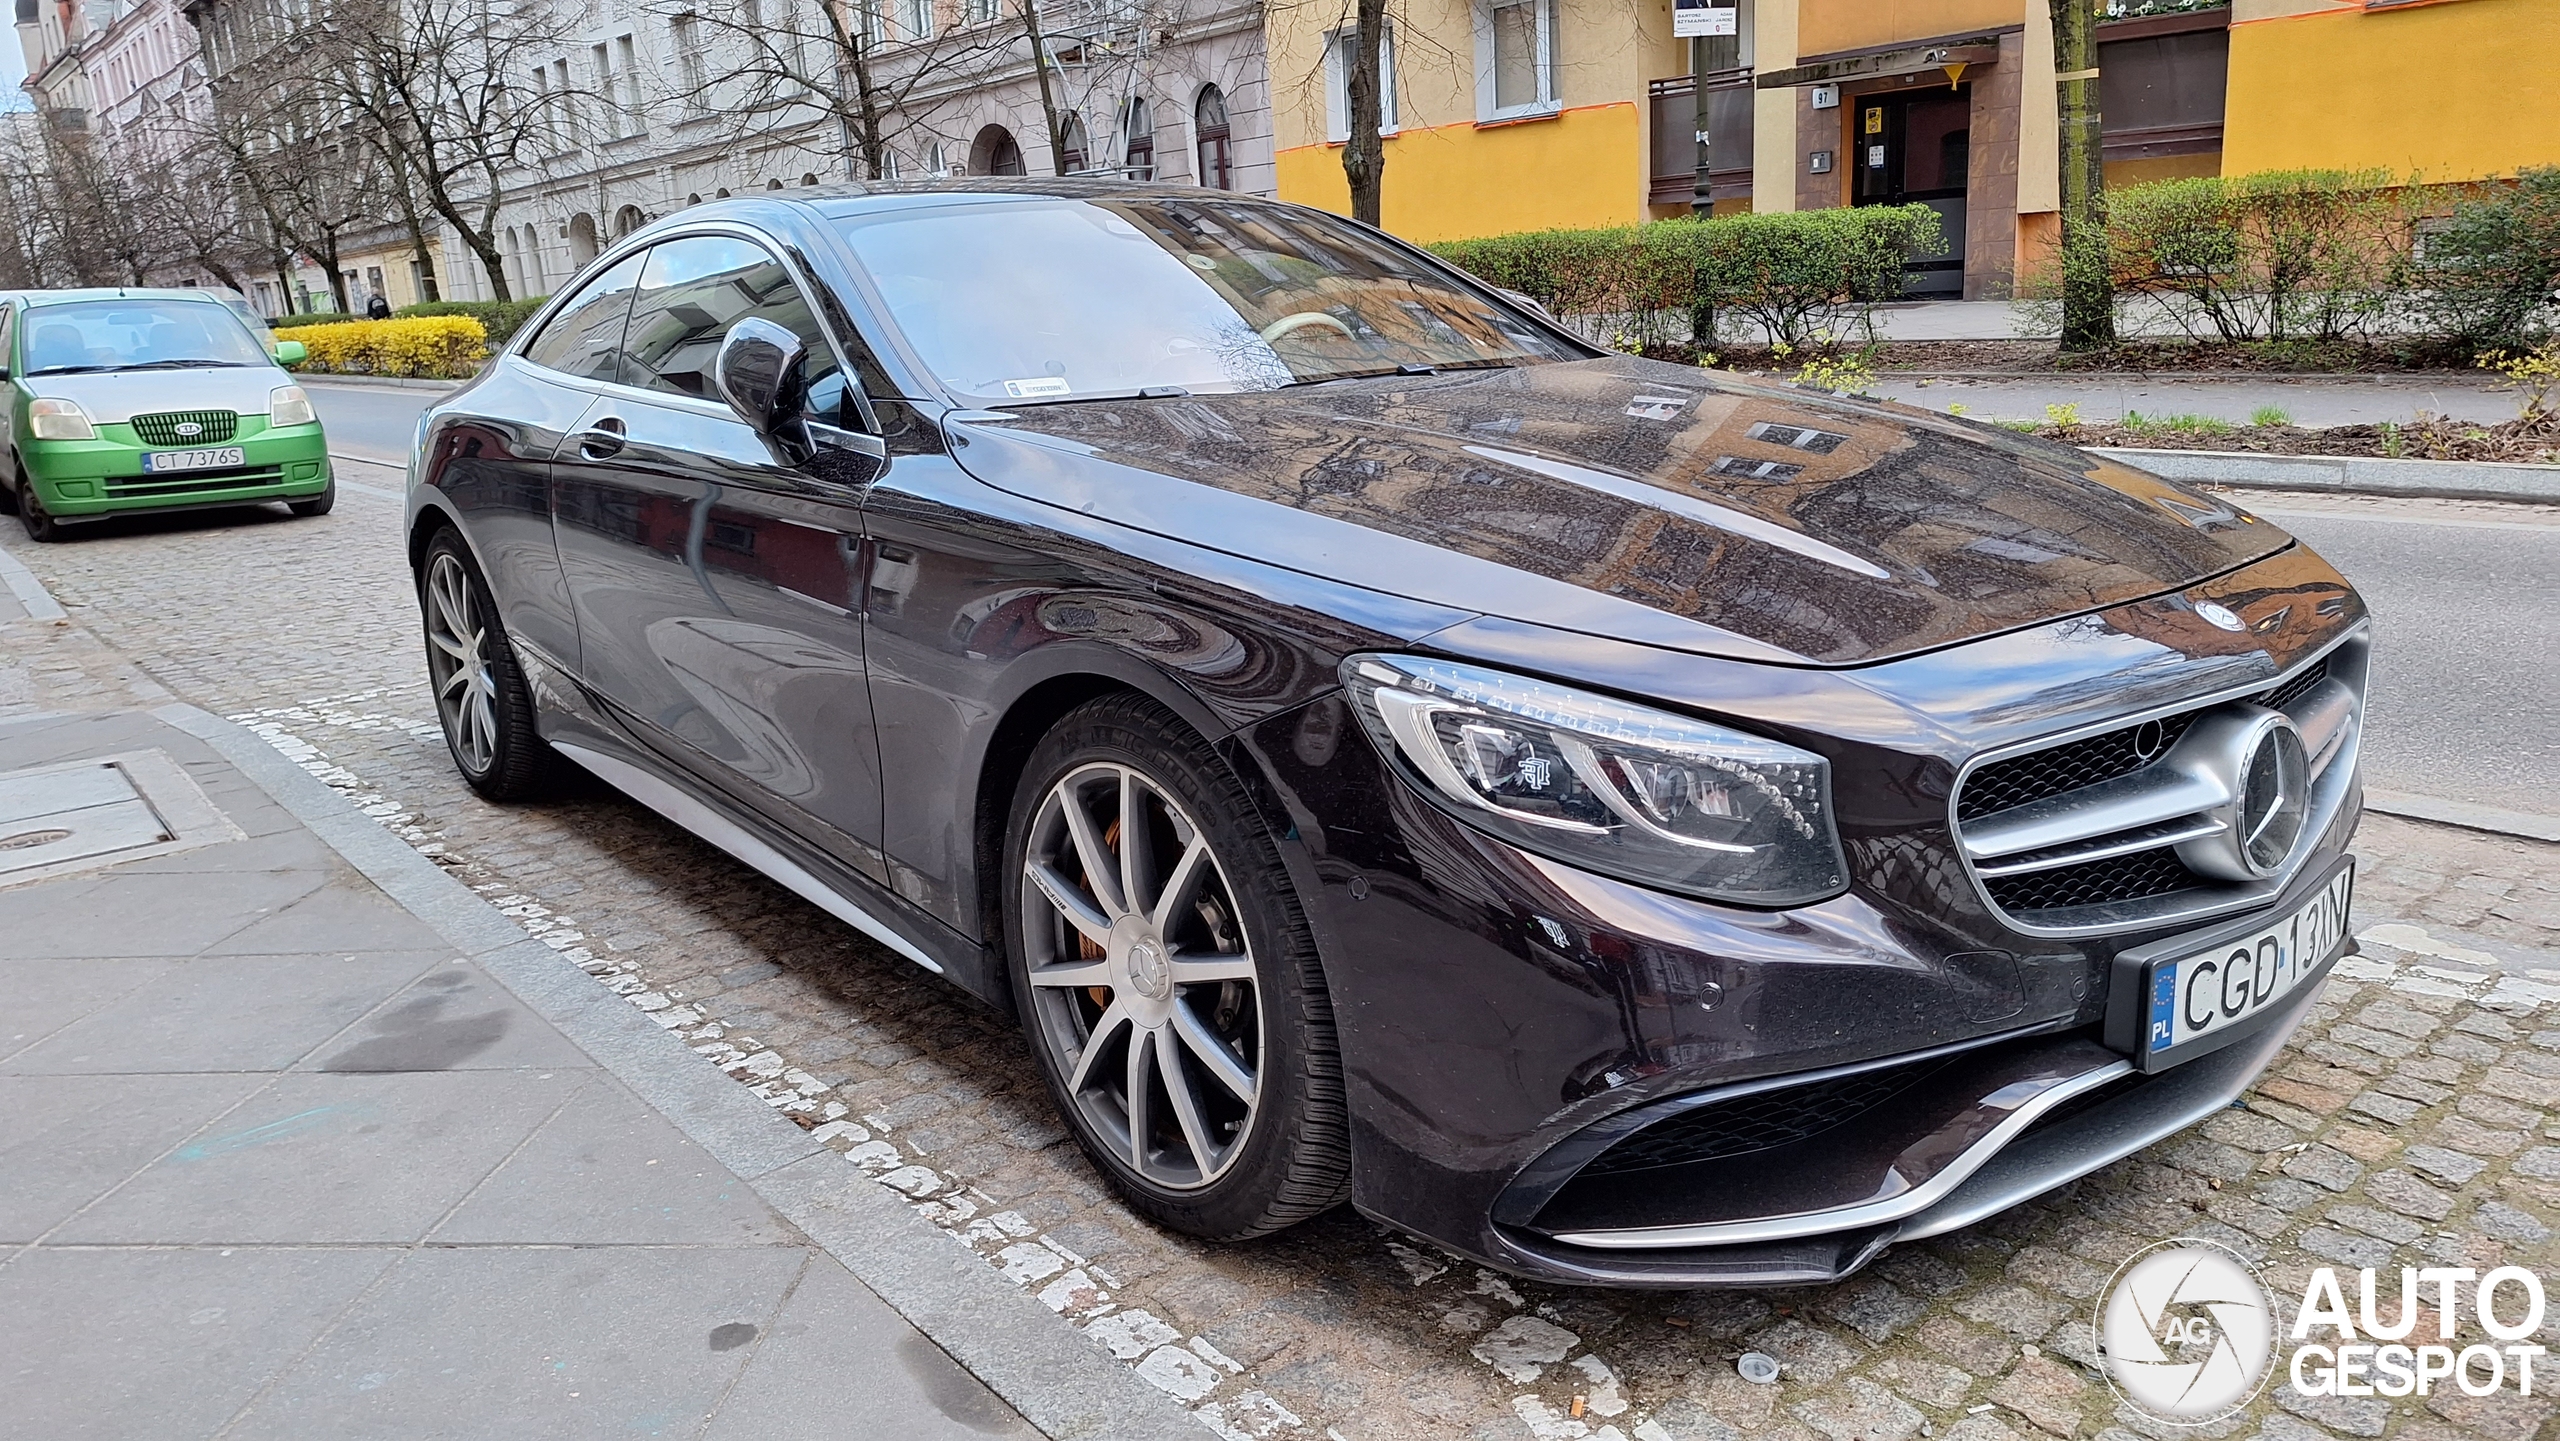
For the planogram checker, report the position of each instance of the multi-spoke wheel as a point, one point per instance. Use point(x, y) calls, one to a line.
point(1167, 979)
point(480, 691)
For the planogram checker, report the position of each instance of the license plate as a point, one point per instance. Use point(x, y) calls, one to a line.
point(162, 462)
point(2211, 995)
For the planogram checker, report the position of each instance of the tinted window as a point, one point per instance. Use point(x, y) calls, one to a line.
point(132, 334)
point(1056, 299)
point(585, 338)
point(696, 288)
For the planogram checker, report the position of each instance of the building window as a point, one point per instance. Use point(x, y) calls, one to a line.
point(1340, 59)
point(978, 12)
point(1209, 122)
point(917, 17)
point(1515, 58)
point(1138, 124)
point(684, 36)
point(1076, 154)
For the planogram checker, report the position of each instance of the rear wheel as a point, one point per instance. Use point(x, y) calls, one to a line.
point(316, 505)
point(1167, 979)
point(482, 700)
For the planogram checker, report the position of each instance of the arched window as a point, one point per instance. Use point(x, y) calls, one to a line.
point(693, 200)
point(511, 263)
point(1217, 159)
point(1076, 155)
point(628, 219)
point(995, 152)
point(1138, 125)
point(720, 194)
point(582, 239)
point(933, 162)
point(774, 184)
point(808, 179)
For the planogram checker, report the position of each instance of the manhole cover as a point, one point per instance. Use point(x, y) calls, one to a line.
point(79, 814)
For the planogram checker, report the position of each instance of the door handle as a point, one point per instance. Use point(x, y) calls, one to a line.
point(601, 440)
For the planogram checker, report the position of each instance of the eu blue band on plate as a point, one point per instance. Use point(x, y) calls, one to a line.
point(2164, 1006)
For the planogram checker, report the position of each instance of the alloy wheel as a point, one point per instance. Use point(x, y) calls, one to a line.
point(458, 663)
point(1142, 980)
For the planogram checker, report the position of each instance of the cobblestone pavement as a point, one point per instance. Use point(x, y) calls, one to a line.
point(2412, 1122)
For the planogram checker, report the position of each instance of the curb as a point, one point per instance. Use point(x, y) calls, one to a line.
point(376, 382)
point(2360, 475)
point(2492, 819)
point(1064, 1384)
point(33, 598)
point(2442, 379)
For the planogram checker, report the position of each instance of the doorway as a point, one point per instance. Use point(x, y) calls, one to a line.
point(1915, 149)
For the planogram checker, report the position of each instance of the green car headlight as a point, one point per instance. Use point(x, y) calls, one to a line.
point(1642, 794)
point(59, 420)
point(288, 405)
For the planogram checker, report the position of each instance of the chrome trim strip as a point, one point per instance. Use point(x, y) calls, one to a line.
point(1841, 1218)
point(678, 806)
point(2151, 796)
point(2106, 849)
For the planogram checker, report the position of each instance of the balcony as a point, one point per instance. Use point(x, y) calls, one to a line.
point(1677, 116)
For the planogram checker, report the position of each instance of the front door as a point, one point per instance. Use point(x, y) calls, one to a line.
point(716, 578)
point(1915, 149)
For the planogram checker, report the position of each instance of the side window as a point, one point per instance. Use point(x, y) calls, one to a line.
point(584, 338)
point(8, 354)
point(698, 286)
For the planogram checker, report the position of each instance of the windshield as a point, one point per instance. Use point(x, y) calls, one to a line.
point(134, 335)
point(1071, 299)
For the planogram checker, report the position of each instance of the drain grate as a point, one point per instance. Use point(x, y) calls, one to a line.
point(80, 814)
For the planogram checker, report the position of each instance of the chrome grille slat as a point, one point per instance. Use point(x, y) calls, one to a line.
point(160, 428)
point(2100, 852)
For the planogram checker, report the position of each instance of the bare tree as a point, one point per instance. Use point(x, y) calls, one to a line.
point(847, 64)
point(2088, 298)
point(307, 170)
point(1364, 152)
point(457, 97)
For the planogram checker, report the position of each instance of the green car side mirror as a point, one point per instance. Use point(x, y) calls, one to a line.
point(291, 352)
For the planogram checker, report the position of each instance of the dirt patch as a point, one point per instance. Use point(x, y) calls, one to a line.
point(2510, 442)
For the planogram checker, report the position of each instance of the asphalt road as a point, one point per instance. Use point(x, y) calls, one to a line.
point(2466, 598)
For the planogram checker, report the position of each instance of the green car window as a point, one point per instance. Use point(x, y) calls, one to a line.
point(136, 335)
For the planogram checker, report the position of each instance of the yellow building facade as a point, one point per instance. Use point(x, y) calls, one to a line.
point(1527, 114)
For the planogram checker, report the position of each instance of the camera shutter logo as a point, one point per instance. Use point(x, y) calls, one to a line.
point(2186, 1332)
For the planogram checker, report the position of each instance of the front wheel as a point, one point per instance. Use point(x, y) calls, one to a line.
point(316, 505)
point(31, 514)
point(1167, 979)
point(482, 699)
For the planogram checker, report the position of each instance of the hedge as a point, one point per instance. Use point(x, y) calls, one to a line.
point(310, 317)
point(500, 318)
point(1793, 277)
point(444, 347)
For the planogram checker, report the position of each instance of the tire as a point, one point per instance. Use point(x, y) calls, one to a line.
point(1233, 972)
point(9, 495)
point(40, 526)
point(317, 505)
point(482, 700)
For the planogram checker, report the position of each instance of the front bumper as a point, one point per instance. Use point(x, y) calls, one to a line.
point(85, 479)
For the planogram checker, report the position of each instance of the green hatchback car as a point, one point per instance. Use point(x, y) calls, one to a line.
point(119, 402)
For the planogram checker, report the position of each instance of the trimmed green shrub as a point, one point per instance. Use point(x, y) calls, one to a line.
point(2488, 271)
point(311, 317)
point(2279, 255)
point(501, 318)
point(1794, 276)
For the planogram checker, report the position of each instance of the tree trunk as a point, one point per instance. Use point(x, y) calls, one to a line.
point(1048, 98)
point(1364, 153)
point(2088, 297)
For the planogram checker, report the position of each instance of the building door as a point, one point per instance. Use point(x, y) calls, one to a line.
point(1915, 149)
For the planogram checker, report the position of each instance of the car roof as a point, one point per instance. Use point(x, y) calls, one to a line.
point(859, 197)
point(130, 292)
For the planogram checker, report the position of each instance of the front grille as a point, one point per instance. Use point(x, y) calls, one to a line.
point(2027, 870)
point(1758, 1122)
point(161, 429)
point(194, 481)
point(2085, 762)
point(2093, 883)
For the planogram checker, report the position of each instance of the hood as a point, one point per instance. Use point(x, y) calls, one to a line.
point(112, 397)
point(1637, 499)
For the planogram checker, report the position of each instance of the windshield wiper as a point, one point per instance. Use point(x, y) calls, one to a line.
point(70, 369)
point(178, 365)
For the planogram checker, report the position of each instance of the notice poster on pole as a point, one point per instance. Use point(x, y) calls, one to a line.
point(1691, 19)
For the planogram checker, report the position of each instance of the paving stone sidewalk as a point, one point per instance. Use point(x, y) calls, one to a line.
point(280, 1163)
point(2414, 1121)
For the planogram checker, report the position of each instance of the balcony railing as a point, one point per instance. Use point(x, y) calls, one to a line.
point(1678, 117)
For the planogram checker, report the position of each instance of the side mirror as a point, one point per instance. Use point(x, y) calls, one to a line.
point(758, 373)
point(291, 352)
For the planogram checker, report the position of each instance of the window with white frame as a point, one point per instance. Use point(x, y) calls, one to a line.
point(1341, 57)
point(916, 18)
point(1515, 58)
point(684, 37)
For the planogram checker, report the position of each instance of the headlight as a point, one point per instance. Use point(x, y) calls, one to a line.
point(287, 405)
point(1626, 790)
point(59, 420)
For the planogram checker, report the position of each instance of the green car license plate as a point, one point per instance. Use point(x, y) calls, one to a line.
point(165, 462)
